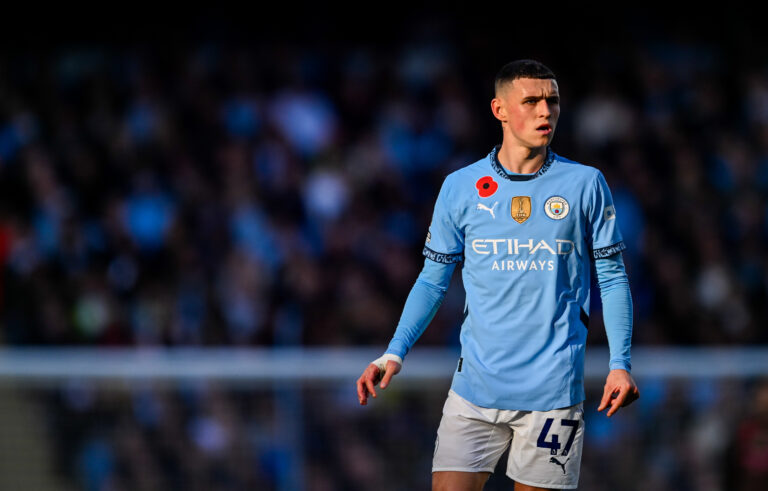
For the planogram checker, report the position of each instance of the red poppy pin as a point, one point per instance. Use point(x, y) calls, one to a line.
point(486, 186)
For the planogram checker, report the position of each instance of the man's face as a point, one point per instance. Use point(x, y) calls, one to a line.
point(529, 107)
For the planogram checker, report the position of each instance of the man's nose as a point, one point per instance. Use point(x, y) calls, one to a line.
point(544, 109)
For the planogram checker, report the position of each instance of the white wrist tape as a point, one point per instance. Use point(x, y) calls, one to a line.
point(382, 362)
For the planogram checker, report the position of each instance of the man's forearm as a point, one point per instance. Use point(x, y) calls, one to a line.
point(617, 309)
point(422, 304)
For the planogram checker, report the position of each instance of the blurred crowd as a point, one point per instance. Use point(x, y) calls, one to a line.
point(211, 194)
point(678, 437)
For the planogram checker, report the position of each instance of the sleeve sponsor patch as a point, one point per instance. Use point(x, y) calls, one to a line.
point(608, 251)
point(440, 257)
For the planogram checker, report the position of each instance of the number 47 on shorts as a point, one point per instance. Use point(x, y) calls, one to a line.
point(554, 444)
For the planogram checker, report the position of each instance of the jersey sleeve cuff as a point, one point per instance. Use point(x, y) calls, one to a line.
point(397, 348)
point(440, 257)
point(620, 365)
point(609, 251)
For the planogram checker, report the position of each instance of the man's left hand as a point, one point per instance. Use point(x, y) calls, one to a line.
point(620, 390)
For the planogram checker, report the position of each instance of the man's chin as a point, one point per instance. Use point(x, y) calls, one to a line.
point(541, 143)
point(541, 140)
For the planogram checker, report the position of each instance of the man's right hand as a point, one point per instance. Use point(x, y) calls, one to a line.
point(371, 377)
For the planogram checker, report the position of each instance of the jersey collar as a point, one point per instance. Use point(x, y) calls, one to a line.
point(520, 177)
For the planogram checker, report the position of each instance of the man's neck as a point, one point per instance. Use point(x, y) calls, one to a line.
point(522, 160)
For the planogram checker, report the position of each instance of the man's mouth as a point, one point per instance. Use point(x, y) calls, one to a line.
point(544, 129)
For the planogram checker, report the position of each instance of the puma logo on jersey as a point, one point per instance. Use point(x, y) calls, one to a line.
point(490, 210)
point(553, 460)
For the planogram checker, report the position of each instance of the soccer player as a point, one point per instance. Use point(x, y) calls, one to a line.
point(529, 226)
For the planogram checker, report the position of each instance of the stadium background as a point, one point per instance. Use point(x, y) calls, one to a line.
point(215, 182)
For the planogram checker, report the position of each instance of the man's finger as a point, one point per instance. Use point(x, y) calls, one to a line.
point(369, 385)
point(392, 369)
point(362, 396)
point(387, 377)
point(375, 374)
point(607, 394)
point(618, 402)
point(365, 382)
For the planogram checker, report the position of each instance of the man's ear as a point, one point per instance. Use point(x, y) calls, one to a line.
point(498, 109)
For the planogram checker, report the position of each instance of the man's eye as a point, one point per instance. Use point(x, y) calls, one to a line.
point(553, 100)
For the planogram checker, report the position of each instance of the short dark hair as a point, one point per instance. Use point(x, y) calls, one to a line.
point(521, 69)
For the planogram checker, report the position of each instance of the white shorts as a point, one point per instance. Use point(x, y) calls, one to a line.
point(545, 446)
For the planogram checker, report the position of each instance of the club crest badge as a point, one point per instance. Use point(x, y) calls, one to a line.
point(556, 208)
point(521, 208)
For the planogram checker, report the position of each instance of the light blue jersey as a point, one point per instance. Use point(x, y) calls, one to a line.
point(526, 242)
